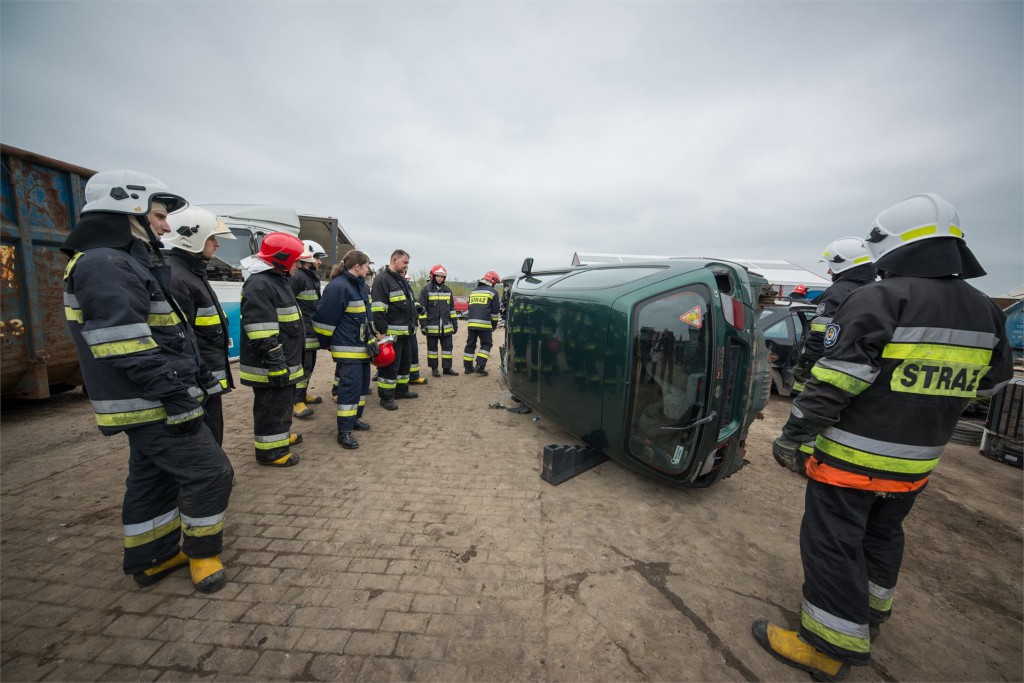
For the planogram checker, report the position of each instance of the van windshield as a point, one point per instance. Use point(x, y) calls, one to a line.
point(233, 251)
point(669, 377)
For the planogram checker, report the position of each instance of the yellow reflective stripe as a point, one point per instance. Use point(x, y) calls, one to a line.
point(882, 463)
point(153, 534)
point(918, 232)
point(261, 334)
point(224, 383)
point(955, 231)
point(365, 355)
point(288, 317)
point(356, 308)
point(320, 328)
point(71, 263)
point(73, 314)
point(818, 327)
point(122, 348)
point(849, 384)
point(935, 378)
point(862, 259)
point(296, 374)
point(879, 604)
point(206, 320)
point(253, 378)
point(163, 319)
point(275, 373)
point(956, 354)
point(200, 531)
point(847, 642)
point(303, 296)
point(271, 445)
point(348, 410)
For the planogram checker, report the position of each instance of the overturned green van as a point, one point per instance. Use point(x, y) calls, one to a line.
point(658, 364)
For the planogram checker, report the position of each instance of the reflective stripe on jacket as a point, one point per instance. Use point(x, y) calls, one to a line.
point(306, 286)
point(483, 308)
point(903, 357)
point(134, 348)
point(438, 302)
point(202, 311)
point(393, 304)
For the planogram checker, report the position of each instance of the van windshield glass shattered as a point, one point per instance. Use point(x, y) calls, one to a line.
point(669, 377)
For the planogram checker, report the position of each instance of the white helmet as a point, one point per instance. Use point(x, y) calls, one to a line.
point(845, 253)
point(919, 217)
point(314, 249)
point(128, 192)
point(192, 226)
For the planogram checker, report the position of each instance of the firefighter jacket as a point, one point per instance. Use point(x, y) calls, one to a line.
point(394, 305)
point(139, 358)
point(269, 317)
point(828, 303)
point(306, 287)
point(342, 322)
point(199, 304)
point(483, 308)
point(439, 309)
point(903, 357)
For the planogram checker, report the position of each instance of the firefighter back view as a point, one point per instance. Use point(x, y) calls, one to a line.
point(146, 378)
point(483, 320)
point(850, 266)
point(305, 285)
point(193, 241)
point(270, 358)
point(903, 357)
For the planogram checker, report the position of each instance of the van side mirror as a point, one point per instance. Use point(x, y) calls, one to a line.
point(527, 266)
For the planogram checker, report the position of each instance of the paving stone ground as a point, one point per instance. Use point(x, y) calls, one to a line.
point(435, 552)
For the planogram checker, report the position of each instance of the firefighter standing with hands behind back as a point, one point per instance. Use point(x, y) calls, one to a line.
point(438, 320)
point(145, 376)
point(270, 358)
point(903, 357)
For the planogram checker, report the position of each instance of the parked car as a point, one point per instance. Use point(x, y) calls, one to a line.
point(785, 324)
point(462, 306)
point(658, 364)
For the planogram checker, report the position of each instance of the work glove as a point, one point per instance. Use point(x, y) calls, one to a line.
point(803, 426)
point(787, 453)
point(277, 368)
point(494, 325)
point(210, 383)
point(455, 326)
point(184, 414)
point(420, 310)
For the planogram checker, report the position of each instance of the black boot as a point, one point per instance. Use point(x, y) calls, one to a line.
point(480, 370)
point(468, 369)
point(346, 440)
point(361, 426)
point(435, 372)
point(407, 394)
point(449, 371)
point(388, 404)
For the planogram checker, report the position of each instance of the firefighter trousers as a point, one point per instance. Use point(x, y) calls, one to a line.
point(213, 416)
point(851, 545)
point(176, 483)
point(353, 386)
point(272, 421)
point(393, 380)
point(486, 338)
point(308, 363)
point(414, 358)
point(446, 351)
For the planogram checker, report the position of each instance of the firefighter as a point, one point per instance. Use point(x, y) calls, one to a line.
point(270, 359)
point(850, 266)
point(903, 357)
point(342, 324)
point(414, 344)
point(483, 320)
point(146, 378)
point(194, 240)
point(306, 287)
point(439, 321)
point(394, 313)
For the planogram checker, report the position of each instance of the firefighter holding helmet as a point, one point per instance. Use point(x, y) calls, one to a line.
point(146, 378)
point(342, 325)
point(394, 314)
point(902, 358)
point(193, 241)
point(272, 344)
point(306, 287)
point(483, 320)
point(439, 321)
point(850, 266)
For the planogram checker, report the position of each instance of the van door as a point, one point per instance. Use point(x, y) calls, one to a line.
point(668, 397)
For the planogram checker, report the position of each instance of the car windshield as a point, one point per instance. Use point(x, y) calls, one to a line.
point(671, 357)
point(233, 251)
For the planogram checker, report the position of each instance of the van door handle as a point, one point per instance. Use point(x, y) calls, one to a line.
point(711, 416)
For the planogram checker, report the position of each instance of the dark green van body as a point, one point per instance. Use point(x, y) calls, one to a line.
point(658, 364)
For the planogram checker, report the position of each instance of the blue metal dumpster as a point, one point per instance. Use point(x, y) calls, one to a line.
point(42, 199)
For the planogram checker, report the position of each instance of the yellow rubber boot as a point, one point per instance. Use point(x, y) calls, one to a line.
point(286, 460)
point(313, 400)
point(208, 575)
point(300, 409)
point(294, 439)
point(787, 647)
point(161, 571)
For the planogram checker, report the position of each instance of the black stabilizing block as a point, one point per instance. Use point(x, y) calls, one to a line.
point(562, 463)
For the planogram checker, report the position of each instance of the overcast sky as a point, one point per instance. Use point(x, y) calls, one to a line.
point(476, 134)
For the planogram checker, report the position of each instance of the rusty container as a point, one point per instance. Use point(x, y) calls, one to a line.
point(42, 199)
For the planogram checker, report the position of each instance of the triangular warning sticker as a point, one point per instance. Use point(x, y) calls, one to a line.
point(693, 317)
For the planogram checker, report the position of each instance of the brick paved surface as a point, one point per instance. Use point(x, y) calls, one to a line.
point(436, 552)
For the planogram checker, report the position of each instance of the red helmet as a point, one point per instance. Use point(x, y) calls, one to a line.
point(800, 289)
point(491, 277)
point(281, 250)
point(385, 353)
point(439, 271)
